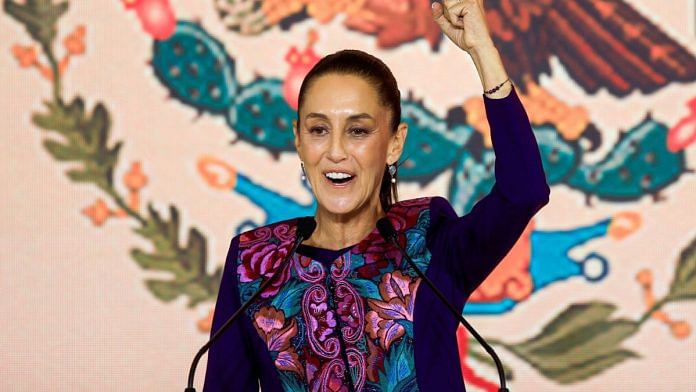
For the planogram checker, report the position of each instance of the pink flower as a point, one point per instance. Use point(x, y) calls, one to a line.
point(377, 252)
point(269, 323)
point(399, 294)
point(348, 311)
point(322, 321)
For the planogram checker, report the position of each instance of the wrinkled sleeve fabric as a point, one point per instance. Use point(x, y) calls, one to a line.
point(471, 246)
point(231, 365)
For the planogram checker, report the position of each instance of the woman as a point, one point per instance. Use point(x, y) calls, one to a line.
point(346, 314)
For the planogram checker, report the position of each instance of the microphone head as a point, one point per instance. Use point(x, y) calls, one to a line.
point(306, 226)
point(386, 229)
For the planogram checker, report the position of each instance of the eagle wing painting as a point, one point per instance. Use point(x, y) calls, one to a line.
point(601, 43)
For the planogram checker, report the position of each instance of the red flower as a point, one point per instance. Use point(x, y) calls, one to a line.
point(262, 260)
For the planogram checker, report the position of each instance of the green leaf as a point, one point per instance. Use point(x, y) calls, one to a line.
point(579, 372)
point(158, 262)
point(578, 343)
point(99, 124)
point(83, 176)
point(196, 293)
point(486, 359)
point(684, 284)
point(39, 17)
point(57, 119)
point(166, 291)
point(62, 152)
point(573, 318)
point(586, 344)
point(187, 264)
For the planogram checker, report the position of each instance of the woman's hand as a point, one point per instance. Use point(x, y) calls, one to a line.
point(464, 23)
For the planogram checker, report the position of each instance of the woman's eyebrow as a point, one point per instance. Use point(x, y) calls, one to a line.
point(359, 116)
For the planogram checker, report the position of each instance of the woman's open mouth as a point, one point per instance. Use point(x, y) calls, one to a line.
point(339, 179)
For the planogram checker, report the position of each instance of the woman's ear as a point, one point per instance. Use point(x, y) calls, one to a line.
point(296, 132)
point(397, 143)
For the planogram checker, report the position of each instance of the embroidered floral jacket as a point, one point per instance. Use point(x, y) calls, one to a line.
point(360, 318)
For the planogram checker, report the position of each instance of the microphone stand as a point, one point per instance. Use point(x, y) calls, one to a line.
point(216, 335)
point(387, 231)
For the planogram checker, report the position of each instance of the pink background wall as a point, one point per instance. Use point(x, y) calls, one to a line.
point(75, 312)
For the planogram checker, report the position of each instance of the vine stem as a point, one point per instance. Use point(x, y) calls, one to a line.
point(655, 307)
point(58, 99)
point(56, 75)
point(121, 203)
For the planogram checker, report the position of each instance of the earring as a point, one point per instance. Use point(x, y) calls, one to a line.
point(392, 172)
point(304, 176)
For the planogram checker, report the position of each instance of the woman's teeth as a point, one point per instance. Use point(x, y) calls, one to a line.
point(338, 178)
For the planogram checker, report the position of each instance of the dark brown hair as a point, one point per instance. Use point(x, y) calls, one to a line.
point(379, 76)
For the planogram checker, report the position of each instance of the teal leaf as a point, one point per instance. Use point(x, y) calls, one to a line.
point(366, 288)
point(290, 382)
point(408, 326)
point(290, 297)
point(399, 371)
point(356, 261)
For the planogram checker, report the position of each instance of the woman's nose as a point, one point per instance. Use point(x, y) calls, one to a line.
point(337, 151)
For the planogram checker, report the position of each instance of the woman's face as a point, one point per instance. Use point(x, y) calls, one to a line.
point(345, 141)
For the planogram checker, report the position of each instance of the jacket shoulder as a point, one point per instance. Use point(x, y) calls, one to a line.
point(278, 232)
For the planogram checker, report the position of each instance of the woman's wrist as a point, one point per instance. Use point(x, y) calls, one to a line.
point(482, 50)
point(491, 70)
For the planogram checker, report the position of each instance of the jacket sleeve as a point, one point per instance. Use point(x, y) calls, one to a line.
point(475, 243)
point(231, 364)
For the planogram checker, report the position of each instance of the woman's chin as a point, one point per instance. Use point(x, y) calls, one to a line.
point(339, 206)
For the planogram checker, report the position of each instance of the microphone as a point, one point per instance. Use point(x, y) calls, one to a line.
point(305, 228)
point(386, 229)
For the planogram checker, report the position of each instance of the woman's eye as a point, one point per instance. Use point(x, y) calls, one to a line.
point(317, 130)
point(359, 131)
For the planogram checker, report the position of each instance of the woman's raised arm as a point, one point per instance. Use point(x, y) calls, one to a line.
point(475, 243)
point(464, 23)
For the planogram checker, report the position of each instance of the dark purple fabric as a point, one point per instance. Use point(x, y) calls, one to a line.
point(464, 251)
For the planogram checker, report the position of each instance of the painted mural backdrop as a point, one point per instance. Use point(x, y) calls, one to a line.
point(139, 136)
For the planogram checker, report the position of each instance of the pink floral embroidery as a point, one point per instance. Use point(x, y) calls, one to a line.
point(376, 251)
point(315, 356)
point(405, 214)
point(399, 294)
point(350, 310)
point(320, 322)
point(375, 361)
point(261, 260)
point(378, 254)
point(269, 324)
point(331, 378)
point(323, 322)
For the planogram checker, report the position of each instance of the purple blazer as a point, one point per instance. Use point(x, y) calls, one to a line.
point(360, 318)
